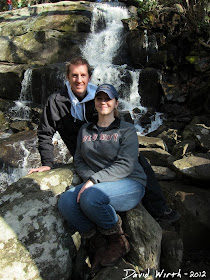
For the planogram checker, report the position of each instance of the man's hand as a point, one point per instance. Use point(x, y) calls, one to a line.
point(87, 185)
point(39, 169)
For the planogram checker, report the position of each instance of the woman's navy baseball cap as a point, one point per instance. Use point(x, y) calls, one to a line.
point(109, 90)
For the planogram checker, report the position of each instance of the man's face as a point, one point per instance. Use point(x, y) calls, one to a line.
point(78, 78)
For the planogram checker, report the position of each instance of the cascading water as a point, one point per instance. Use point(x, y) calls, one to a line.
point(100, 50)
point(22, 110)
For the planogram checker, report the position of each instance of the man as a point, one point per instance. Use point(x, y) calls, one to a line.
point(66, 111)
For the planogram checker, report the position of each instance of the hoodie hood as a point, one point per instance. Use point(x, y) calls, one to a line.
point(78, 107)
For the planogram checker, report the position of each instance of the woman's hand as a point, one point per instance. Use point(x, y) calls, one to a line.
point(87, 185)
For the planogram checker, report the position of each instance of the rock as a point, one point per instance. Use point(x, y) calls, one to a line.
point(173, 92)
point(151, 142)
point(163, 173)
point(183, 148)
point(195, 168)
point(123, 270)
point(11, 90)
point(145, 238)
point(55, 180)
point(4, 124)
point(149, 88)
point(193, 203)
point(20, 150)
point(200, 133)
point(177, 113)
point(21, 125)
point(52, 79)
point(171, 251)
point(45, 34)
point(32, 235)
point(156, 156)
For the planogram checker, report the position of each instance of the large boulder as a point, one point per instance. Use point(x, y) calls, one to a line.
point(32, 235)
point(45, 33)
point(145, 236)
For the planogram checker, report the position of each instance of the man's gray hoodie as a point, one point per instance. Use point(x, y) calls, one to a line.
point(110, 154)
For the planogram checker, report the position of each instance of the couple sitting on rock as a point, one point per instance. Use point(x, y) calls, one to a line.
point(105, 150)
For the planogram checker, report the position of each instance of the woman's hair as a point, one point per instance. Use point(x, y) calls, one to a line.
point(116, 113)
point(78, 61)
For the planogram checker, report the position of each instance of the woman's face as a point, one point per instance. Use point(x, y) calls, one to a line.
point(104, 105)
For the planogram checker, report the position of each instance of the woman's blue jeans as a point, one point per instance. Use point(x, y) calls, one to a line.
point(98, 204)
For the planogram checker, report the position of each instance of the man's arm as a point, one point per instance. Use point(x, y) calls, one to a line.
point(45, 132)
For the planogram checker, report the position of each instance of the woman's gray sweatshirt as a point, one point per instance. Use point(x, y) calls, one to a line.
point(108, 155)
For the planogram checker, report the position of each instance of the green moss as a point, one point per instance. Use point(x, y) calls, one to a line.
point(192, 59)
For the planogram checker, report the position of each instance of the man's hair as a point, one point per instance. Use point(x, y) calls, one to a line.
point(78, 61)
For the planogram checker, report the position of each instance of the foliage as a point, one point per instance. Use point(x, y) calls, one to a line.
point(146, 5)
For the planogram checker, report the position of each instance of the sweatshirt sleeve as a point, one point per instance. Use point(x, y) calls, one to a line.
point(125, 161)
point(46, 130)
point(82, 168)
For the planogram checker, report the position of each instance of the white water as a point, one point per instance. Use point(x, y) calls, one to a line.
point(22, 110)
point(100, 49)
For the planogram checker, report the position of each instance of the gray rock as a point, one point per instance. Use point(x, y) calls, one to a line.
point(45, 34)
point(163, 173)
point(183, 148)
point(194, 167)
point(156, 156)
point(32, 235)
point(171, 251)
point(145, 238)
point(200, 133)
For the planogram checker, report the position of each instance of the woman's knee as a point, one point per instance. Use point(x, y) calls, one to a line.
point(66, 201)
point(91, 198)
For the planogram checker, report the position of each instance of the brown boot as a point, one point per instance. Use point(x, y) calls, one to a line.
point(118, 245)
point(99, 244)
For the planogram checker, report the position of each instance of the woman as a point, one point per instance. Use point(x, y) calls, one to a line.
point(107, 160)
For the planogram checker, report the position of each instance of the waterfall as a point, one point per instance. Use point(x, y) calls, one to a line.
point(100, 50)
point(22, 110)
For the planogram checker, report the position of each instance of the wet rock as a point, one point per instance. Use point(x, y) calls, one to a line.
point(194, 168)
point(4, 124)
point(21, 125)
point(18, 148)
point(149, 88)
point(8, 73)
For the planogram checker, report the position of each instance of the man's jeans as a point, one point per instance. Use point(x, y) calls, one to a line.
point(99, 203)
